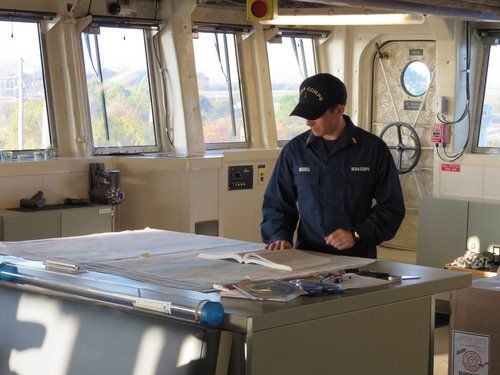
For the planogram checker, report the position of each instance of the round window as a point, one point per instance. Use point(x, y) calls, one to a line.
point(416, 78)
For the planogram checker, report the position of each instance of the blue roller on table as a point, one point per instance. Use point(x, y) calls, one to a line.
point(5, 272)
point(206, 312)
point(212, 314)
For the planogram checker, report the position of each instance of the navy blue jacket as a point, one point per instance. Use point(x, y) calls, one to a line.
point(330, 191)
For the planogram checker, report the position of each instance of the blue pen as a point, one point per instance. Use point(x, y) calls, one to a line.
point(317, 288)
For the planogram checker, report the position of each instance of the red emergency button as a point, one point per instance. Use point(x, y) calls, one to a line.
point(259, 8)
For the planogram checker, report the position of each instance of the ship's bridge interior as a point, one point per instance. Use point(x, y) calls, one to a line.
point(177, 93)
point(182, 107)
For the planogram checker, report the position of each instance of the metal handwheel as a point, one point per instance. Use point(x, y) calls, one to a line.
point(404, 143)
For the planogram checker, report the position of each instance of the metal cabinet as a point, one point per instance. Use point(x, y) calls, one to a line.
point(448, 227)
point(78, 222)
point(442, 231)
point(62, 222)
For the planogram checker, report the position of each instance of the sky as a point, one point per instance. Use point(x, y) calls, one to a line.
point(493, 70)
point(282, 60)
point(121, 50)
point(19, 40)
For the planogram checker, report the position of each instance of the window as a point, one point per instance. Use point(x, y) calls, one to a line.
point(416, 78)
point(219, 89)
point(291, 60)
point(489, 130)
point(24, 120)
point(116, 66)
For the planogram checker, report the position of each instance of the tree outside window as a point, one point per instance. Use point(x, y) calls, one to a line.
point(118, 88)
point(291, 60)
point(24, 123)
point(219, 88)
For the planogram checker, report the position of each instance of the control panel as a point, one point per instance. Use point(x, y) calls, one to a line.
point(440, 133)
point(240, 177)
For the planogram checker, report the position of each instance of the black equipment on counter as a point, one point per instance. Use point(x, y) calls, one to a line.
point(76, 202)
point(36, 201)
point(104, 185)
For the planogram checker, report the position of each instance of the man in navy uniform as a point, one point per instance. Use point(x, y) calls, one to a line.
point(327, 178)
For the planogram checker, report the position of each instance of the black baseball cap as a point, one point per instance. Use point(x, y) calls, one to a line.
point(319, 93)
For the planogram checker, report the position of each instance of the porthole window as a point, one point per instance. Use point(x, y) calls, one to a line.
point(416, 78)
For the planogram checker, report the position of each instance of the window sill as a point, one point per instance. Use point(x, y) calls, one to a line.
point(56, 165)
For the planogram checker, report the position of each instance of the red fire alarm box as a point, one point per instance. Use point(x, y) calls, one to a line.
point(440, 133)
point(262, 10)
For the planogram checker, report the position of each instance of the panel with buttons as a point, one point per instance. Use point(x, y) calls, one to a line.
point(240, 177)
point(261, 173)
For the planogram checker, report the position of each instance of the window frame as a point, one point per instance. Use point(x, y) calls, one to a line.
point(233, 30)
point(303, 34)
point(37, 18)
point(148, 46)
point(488, 42)
point(48, 88)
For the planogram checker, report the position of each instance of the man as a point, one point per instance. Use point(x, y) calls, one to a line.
point(328, 178)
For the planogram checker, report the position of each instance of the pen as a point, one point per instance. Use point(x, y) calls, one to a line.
point(409, 277)
point(337, 278)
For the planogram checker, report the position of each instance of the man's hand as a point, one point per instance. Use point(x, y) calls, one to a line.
point(341, 239)
point(279, 245)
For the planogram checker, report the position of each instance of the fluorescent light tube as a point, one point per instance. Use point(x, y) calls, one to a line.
point(347, 19)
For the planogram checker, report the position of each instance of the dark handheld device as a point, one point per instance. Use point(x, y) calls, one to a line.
point(36, 201)
point(381, 275)
point(105, 185)
point(313, 288)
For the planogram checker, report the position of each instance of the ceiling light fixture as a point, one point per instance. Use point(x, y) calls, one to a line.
point(347, 19)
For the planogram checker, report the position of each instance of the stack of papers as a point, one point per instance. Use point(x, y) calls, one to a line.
point(170, 259)
point(267, 290)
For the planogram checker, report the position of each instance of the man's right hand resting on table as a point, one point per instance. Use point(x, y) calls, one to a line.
point(279, 245)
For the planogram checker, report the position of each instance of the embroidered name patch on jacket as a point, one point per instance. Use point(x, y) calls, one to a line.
point(360, 169)
point(304, 169)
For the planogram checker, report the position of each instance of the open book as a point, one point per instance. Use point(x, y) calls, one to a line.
point(287, 260)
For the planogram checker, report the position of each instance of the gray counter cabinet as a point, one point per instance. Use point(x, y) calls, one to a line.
point(65, 222)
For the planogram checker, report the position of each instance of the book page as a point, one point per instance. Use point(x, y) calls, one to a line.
point(236, 256)
point(290, 259)
point(256, 259)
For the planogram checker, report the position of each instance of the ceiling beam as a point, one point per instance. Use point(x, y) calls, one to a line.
point(494, 3)
point(460, 4)
point(414, 7)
